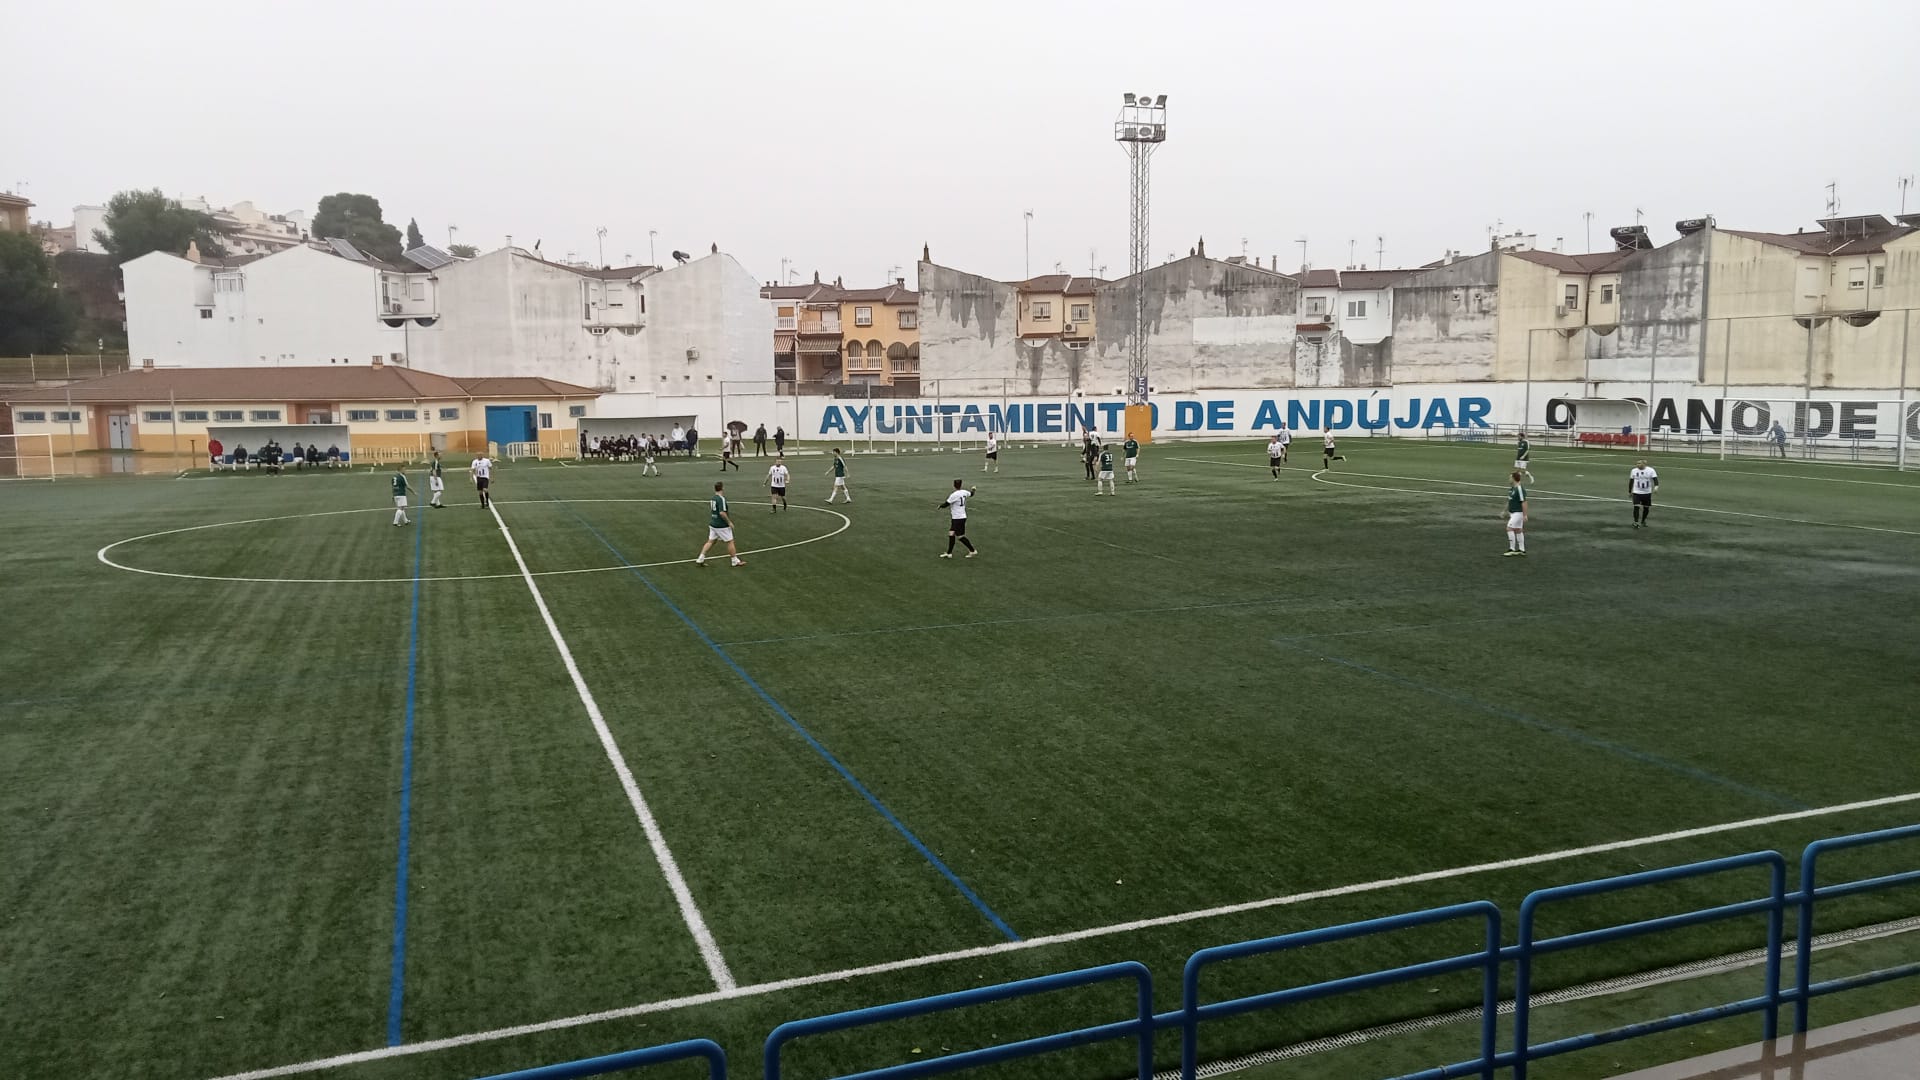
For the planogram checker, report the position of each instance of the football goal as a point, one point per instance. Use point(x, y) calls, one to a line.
point(26, 457)
point(1601, 423)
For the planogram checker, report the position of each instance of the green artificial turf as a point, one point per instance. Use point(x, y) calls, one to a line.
point(1215, 688)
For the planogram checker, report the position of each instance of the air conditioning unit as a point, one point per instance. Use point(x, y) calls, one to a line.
point(1067, 329)
point(393, 308)
point(1561, 311)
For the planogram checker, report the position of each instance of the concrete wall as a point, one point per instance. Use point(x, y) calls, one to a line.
point(1446, 323)
point(969, 334)
point(301, 306)
point(1662, 296)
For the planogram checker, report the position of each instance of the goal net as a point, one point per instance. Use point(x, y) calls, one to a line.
point(26, 457)
point(1863, 431)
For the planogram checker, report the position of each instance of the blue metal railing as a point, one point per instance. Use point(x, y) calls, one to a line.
point(1140, 1026)
point(716, 1059)
point(1490, 960)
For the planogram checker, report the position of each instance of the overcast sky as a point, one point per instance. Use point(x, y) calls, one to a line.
point(843, 136)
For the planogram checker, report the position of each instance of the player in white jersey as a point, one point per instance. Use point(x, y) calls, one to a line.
point(1275, 451)
point(649, 446)
point(483, 479)
point(777, 477)
point(1329, 453)
point(1286, 442)
point(1642, 482)
point(993, 453)
point(956, 505)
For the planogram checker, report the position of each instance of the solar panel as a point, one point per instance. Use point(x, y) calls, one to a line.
point(345, 250)
point(428, 257)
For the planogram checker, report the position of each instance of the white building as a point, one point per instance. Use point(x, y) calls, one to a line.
point(249, 231)
point(1344, 316)
point(636, 329)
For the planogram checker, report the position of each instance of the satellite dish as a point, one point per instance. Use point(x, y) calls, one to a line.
point(1144, 98)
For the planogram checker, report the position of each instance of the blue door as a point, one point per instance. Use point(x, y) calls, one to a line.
point(511, 424)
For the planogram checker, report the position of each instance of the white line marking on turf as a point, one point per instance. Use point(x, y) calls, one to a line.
point(759, 989)
point(1575, 495)
point(689, 911)
point(845, 524)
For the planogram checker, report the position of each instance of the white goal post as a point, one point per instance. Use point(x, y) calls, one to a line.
point(26, 457)
point(1599, 423)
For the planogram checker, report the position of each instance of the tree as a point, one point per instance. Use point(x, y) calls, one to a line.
point(462, 251)
point(356, 219)
point(34, 316)
point(413, 235)
point(138, 222)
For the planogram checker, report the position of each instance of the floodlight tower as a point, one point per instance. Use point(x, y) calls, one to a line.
point(1140, 130)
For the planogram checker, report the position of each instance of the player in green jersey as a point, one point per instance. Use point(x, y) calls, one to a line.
point(399, 479)
point(719, 527)
point(839, 474)
point(1520, 452)
point(436, 482)
point(1516, 517)
point(1131, 450)
point(1105, 477)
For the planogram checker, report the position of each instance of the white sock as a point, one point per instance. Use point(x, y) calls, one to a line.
point(1513, 540)
point(1523, 540)
point(399, 516)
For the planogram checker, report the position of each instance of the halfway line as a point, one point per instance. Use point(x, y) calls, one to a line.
point(760, 989)
point(689, 911)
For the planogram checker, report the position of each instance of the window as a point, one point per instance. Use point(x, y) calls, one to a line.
point(546, 419)
point(61, 416)
point(1082, 312)
point(362, 416)
point(266, 416)
point(863, 316)
point(449, 414)
point(162, 416)
point(418, 291)
point(1606, 294)
point(229, 416)
point(399, 416)
point(909, 320)
point(206, 313)
point(1879, 276)
point(1316, 305)
point(1042, 311)
point(193, 416)
point(34, 417)
point(1356, 309)
point(1857, 278)
point(576, 411)
point(1573, 298)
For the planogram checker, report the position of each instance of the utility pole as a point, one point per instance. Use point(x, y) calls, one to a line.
point(652, 259)
point(601, 234)
point(451, 229)
point(1833, 198)
point(1589, 218)
point(1906, 185)
point(1027, 271)
point(1303, 253)
point(1380, 253)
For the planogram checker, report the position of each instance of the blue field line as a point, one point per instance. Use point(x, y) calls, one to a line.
point(397, 984)
point(818, 748)
point(1581, 737)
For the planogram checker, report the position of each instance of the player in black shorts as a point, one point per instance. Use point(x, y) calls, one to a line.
point(1328, 452)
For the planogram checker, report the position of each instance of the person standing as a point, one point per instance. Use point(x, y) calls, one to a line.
point(436, 481)
point(779, 440)
point(1516, 517)
point(760, 441)
point(1105, 477)
point(777, 477)
point(650, 447)
point(839, 474)
point(693, 441)
point(1275, 452)
point(956, 504)
point(400, 495)
point(719, 527)
point(1089, 452)
point(1132, 453)
point(1329, 453)
point(993, 453)
point(676, 439)
point(1777, 440)
point(483, 480)
point(729, 445)
point(1520, 451)
point(1286, 443)
point(1642, 482)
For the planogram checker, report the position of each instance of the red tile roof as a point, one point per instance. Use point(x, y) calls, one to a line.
point(1592, 263)
point(1371, 279)
point(330, 383)
point(1320, 279)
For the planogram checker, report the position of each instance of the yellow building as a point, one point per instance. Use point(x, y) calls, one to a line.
point(1057, 305)
point(385, 411)
point(13, 212)
point(880, 331)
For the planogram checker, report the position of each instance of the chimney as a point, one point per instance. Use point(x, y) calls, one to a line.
point(926, 253)
point(816, 277)
point(193, 251)
point(1202, 247)
point(1256, 262)
point(900, 281)
point(839, 283)
point(377, 362)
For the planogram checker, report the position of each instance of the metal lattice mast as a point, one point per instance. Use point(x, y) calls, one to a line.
point(1141, 129)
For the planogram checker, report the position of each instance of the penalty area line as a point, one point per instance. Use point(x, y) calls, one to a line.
point(776, 986)
point(656, 839)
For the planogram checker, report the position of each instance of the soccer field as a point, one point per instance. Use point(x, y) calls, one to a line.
point(285, 789)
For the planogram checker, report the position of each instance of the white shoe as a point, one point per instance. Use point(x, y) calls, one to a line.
point(700, 561)
point(739, 562)
point(971, 554)
point(947, 555)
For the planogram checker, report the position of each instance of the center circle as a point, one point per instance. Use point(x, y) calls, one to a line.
point(104, 554)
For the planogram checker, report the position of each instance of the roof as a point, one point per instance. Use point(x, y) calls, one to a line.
point(329, 383)
point(1060, 283)
point(791, 292)
point(1850, 242)
point(1371, 279)
point(1320, 279)
point(1591, 263)
point(887, 294)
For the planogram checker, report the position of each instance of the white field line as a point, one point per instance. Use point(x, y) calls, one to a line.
point(845, 524)
point(689, 911)
point(759, 989)
point(1575, 495)
point(1724, 471)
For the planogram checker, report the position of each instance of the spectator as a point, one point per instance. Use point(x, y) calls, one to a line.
point(779, 439)
point(760, 441)
point(239, 456)
point(214, 450)
point(314, 456)
point(676, 441)
point(299, 455)
point(333, 456)
point(693, 442)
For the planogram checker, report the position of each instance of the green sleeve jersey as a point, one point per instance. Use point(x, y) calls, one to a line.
point(1131, 447)
point(436, 468)
point(1106, 461)
point(399, 484)
point(1516, 499)
point(1522, 450)
point(717, 519)
point(839, 467)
